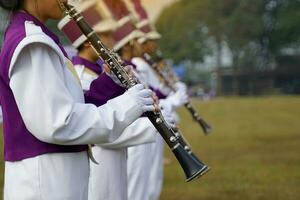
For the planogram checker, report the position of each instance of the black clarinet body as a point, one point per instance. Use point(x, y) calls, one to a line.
point(170, 83)
point(196, 116)
point(185, 144)
point(191, 166)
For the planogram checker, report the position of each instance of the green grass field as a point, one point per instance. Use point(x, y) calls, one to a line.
point(254, 151)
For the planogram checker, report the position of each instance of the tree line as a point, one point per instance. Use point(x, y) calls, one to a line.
point(255, 31)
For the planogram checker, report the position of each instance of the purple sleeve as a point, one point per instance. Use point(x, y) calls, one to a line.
point(102, 89)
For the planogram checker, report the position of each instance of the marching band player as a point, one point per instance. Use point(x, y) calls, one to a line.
point(139, 157)
point(108, 179)
point(46, 123)
point(169, 101)
point(138, 162)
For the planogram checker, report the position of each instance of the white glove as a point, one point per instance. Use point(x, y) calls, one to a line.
point(169, 117)
point(181, 86)
point(177, 99)
point(175, 116)
point(144, 97)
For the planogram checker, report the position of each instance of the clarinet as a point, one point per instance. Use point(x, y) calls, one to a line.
point(169, 71)
point(181, 139)
point(196, 116)
point(192, 167)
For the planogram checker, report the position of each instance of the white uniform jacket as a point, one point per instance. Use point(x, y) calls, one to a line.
point(108, 179)
point(51, 104)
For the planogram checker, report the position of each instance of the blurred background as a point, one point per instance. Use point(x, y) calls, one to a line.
point(235, 47)
point(241, 61)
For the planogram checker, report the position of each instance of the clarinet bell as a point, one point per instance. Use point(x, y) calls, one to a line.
point(190, 164)
point(205, 126)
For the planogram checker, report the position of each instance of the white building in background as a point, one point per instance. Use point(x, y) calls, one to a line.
point(210, 61)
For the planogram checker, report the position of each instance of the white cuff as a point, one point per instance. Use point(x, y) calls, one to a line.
point(139, 132)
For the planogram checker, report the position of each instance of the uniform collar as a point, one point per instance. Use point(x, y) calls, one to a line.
point(95, 67)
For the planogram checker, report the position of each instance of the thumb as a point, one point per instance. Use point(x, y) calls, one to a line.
point(106, 68)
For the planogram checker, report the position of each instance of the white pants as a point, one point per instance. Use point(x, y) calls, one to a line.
point(156, 171)
point(108, 179)
point(138, 172)
point(59, 176)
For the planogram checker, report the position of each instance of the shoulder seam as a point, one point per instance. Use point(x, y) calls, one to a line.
point(31, 39)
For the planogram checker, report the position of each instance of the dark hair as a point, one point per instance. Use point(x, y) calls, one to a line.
point(11, 4)
point(80, 47)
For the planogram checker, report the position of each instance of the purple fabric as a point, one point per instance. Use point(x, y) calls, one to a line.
point(19, 143)
point(100, 62)
point(77, 60)
point(15, 32)
point(158, 93)
point(101, 89)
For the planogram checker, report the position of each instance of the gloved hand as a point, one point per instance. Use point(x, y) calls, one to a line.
point(181, 86)
point(144, 97)
point(177, 99)
point(169, 117)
